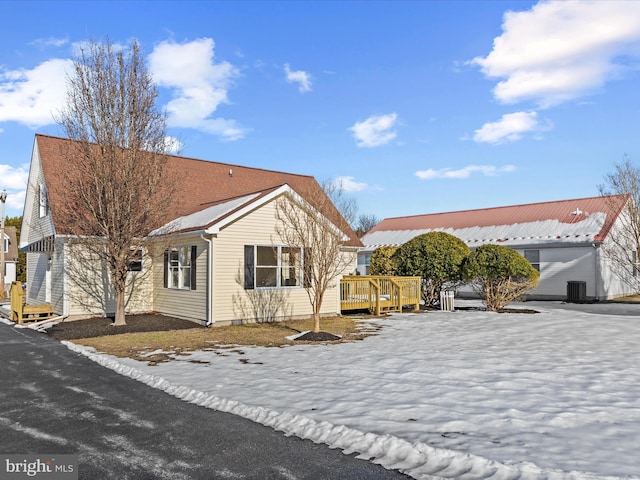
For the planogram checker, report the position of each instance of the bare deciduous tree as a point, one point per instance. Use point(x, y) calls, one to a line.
point(309, 226)
point(115, 181)
point(346, 205)
point(623, 243)
point(365, 222)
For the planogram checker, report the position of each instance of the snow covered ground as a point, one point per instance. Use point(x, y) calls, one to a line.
point(465, 394)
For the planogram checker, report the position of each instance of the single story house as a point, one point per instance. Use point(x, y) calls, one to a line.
point(222, 255)
point(10, 246)
point(562, 239)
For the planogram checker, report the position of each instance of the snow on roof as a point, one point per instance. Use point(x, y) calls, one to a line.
point(517, 234)
point(565, 221)
point(204, 217)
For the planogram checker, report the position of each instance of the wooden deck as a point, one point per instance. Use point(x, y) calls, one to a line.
point(21, 312)
point(379, 293)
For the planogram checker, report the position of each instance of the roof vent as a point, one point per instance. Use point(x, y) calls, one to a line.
point(577, 212)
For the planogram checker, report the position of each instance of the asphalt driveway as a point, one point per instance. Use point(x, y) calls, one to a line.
point(629, 309)
point(54, 401)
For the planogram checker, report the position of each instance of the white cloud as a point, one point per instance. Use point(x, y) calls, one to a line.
point(31, 97)
point(511, 127)
point(173, 145)
point(14, 180)
point(200, 85)
point(462, 173)
point(302, 78)
point(49, 42)
point(558, 50)
point(348, 184)
point(375, 130)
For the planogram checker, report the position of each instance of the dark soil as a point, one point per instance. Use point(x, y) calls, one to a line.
point(98, 327)
point(502, 310)
point(318, 337)
point(517, 310)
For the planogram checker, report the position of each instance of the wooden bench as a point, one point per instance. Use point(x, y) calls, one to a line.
point(21, 312)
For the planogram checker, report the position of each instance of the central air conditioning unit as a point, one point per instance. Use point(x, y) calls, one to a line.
point(576, 292)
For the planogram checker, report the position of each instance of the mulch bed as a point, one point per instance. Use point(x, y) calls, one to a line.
point(98, 327)
point(318, 337)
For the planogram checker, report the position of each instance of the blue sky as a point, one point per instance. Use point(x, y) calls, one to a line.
point(417, 106)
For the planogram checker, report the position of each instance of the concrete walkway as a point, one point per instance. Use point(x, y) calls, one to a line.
point(54, 401)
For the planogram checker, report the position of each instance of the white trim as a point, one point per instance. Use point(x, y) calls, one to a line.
point(47, 280)
point(210, 279)
point(285, 189)
point(66, 289)
point(279, 267)
point(179, 268)
point(248, 208)
point(34, 169)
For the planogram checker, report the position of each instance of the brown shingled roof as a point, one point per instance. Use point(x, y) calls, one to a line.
point(200, 183)
point(12, 253)
point(565, 211)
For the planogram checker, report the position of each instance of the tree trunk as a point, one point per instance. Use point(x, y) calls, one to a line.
point(120, 317)
point(317, 306)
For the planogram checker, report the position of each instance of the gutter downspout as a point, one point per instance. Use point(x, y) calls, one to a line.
point(209, 279)
point(598, 273)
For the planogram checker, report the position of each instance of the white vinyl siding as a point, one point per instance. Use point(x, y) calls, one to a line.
point(559, 265)
point(611, 278)
point(89, 287)
point(36, 268)
point(35, 228)
point(57, 279)
point(189, 304)
point(230, 297)
point(562, 265)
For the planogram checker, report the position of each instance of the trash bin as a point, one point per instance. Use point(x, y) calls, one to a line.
point(446, 301)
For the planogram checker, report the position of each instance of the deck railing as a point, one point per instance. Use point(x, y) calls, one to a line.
point(379, 293)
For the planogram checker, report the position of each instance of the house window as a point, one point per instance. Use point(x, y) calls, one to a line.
point(180, 267)
point(364, 263)
point(5, 244)
point(635, 266)
point(43, 203)
point(534, 258)
point(135, 263)
point(273, 266)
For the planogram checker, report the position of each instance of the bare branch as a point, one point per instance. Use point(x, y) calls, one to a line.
point(303, 225)
point(115, 181)
point(622, 247)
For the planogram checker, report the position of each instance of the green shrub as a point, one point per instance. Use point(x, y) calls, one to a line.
point(499, 274)
point(437, 257)
point(383, 262)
